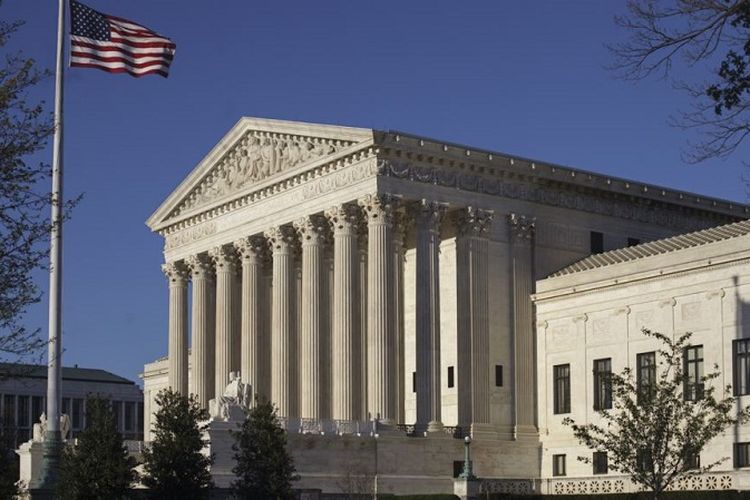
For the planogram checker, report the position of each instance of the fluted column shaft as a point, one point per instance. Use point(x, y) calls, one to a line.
point(428, 216)
point(345, 383)
point(311, 231)
point(251, 252)
point(203, 325)
point(226, 324)
point(398, 312)
point(381, 342)
point(472, 251)
point(282, 240)
point(522, 239)
point(177, 275)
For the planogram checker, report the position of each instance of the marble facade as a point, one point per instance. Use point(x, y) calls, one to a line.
point(354, 275)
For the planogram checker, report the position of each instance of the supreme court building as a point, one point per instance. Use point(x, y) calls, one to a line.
point(377, 287)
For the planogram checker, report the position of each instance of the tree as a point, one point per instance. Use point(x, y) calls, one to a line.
point(24, 222)
point(174, 465)
point(696, 33)
point(654, 432)
point(98, 467)
point(8, 461)
point(264, 468)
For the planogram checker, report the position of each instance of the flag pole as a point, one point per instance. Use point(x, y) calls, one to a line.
point(53, 438)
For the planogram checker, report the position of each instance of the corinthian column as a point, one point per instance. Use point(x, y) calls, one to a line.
point(282, 240)
point(251, 251)
point(204, 322)
point(472, 248)
point(381, 342)
point(177, 275)
point(399, 230)
point(225, 261)
point(345, 342)
point(428, 215)
point(311, 230)
point(522, 239)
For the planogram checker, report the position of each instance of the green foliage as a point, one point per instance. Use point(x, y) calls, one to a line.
point(8, 463)
point(174, 466)
point(651, 431)
point(264, 468)
point(99, 467)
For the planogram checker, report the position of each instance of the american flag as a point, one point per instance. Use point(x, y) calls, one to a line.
point(116, 45)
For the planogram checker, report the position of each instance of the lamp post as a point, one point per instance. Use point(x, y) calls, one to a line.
point(467, 473)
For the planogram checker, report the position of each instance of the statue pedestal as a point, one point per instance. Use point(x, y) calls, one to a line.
point(219, 441)
point(31, 454)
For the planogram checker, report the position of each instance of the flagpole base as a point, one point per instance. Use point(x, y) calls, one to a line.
point(52, 449)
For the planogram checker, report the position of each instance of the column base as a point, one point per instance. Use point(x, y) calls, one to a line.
point(435, 426)
point(484, 432)
point(525, 433)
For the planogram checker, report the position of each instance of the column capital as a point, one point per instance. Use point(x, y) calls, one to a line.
point(224, 257)
point(344, 219)
point(312, 229)
point(282, 239)
point(473, 221)
point(379, 208)
point(176, 272)
point(251, 249)
point(521, 227)
point(428, 213)
point(200, 266)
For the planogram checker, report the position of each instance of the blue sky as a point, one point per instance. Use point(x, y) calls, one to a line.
point(520, 77)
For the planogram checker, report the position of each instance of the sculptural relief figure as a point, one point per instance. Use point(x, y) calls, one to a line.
point(235, 400)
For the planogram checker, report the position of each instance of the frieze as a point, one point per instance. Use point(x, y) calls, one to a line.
point(257, 156)
point(189, 235)
point(536, 194)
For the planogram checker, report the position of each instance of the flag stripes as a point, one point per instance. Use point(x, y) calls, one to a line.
point(116, 45)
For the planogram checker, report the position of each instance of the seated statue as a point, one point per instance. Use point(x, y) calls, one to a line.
point(40, 429)
point(235, 400)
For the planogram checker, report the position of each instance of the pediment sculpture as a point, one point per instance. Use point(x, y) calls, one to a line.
point(234, 402)
point(257, 156)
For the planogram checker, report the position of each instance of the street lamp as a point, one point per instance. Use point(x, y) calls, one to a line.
point(467, 473)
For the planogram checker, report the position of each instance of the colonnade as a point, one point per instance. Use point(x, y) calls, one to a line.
point(332, 347)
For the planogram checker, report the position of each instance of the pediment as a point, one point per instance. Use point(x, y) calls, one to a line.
point(254, 153)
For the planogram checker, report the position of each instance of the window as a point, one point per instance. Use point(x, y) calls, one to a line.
point(498, 375)
point(66, 406)
point(599, 460)
point(451, 381)
point(77, 415)
point(558, 465)
point(458, 467)
point(602, 384)
point(742, 454)
point(561, 375)
point(413, 381)
point(9, 413)
point(633, 242)
point(117, 410)
point(693, 367)
point(129, 416)
point(692, 461)
point(23, 412)
point(597, 242)
point(741, 367)
point(37, 407)
point(645, 462)
point(646, 376)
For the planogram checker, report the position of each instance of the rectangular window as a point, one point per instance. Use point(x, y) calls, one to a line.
point(741, 367)
point(117, 410)
point(24, 419)
point(451, 381)
point(498, 375)
point(646, 376)
point(413, 381)
point(458, 467)
point(558, 465)
point(129, 416)
point(693, 461)
point(597, 242)
point(561, 376)
point(600, 462)
point(76, 418)
point(603, 384)
point(693, 367)
point(37, 407)
point(742, 454)
point(633, 242)
point(9, 410)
